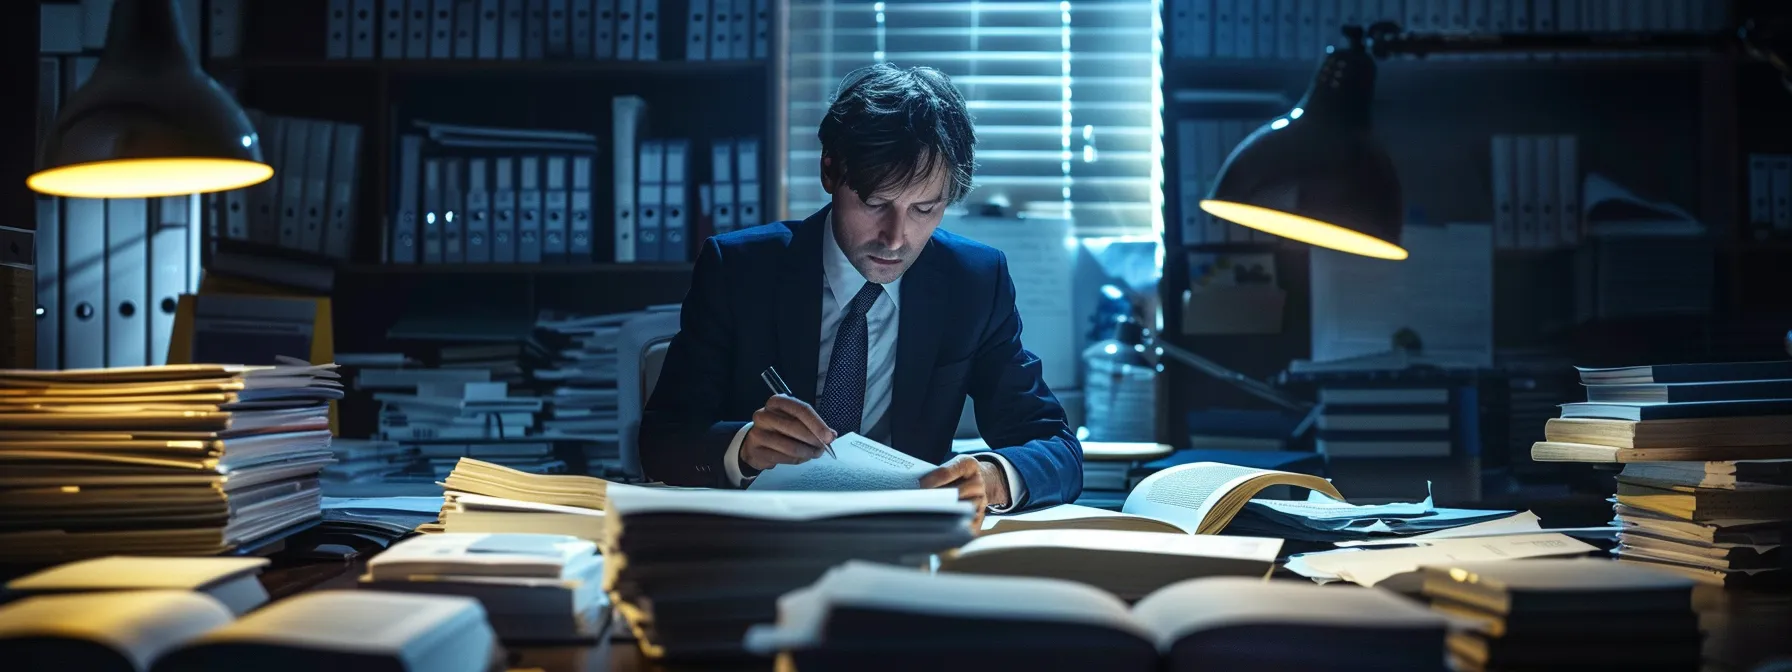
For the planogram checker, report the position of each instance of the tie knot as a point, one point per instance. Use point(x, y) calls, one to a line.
point(861, 302)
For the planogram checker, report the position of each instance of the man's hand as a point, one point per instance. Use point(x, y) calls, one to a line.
point(978, 482)
point(786, 431)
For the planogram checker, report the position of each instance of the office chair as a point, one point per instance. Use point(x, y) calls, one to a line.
point(643, 341)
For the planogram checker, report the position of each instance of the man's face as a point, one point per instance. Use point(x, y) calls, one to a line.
point(883, 235)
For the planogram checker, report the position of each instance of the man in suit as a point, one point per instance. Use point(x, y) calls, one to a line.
point(879, 322)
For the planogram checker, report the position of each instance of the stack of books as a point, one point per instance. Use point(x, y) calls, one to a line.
point(534, 587)
point(366, 460)
point(485, 497)
point(194, 459)
point(1704, 489)
point(579, 384)
point(1565, 614)
point(692, 570)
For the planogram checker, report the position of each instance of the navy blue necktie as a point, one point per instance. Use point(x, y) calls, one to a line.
point(842, 403)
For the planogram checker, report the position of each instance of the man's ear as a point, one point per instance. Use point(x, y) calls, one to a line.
point(829, 181)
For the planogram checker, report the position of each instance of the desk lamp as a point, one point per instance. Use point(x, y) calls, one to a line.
point(149, 122)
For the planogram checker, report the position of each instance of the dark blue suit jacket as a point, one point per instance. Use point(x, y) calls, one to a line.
point(755, 301)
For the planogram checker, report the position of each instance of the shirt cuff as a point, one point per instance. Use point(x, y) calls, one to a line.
point(1017, 490)
point(731, 459)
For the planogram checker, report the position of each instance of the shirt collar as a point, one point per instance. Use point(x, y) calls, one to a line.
point(843, 279)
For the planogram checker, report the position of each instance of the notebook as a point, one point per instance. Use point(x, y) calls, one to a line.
point(103, 632)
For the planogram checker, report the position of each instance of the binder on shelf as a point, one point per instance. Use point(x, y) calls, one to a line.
point(441, 29)
point(317, 185)
point(583, 43)
point(490, 36)
point(1782, 194)
point(432, 211)
point(402, 246)
point(169, 254)
point(504, 210)
point(628, 29)
point(515, 14)
point(466, 29)
point(578, 212)
point(363, 35)
point(1266, 30)
point(627, 115)
point(454, 241)
point(1760, 189)
point(262, 218)
point(719, 11)
point(1324, 28)
point(291, 171)
point(1212, 156)
point(48, 239)
point(649, 199)
point(478, 213)
point(528, 210)
point(1524, 164)
point(721, 166)
point(336, 30)
point(696, 31)
point(1244, 37)
point(1225, 29)
point(83, 283)
point(558, 30)
point(127, 274)
point(1478, 19)
point(1287, 35)
point(226, 29)
point(740, 27)
point(1199, 28)
point(746, 179)
point(392, 29)
point(1568, 188)
point(647, 30)
point(553, 207)
point(1505, 192)
point(535, 30)
point(1188, 184)
point(675, 206)
point(416, 28)
point(1549, 232)
point(604, 31)
point(762, 29)
point(1231, 131)
point(345, 180)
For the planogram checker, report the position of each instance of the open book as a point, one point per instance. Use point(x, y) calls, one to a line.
point(1128, 564)
point(1195, 498)
point(905, 618)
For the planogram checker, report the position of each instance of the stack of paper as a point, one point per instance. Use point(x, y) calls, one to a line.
point(1321, 518)
point(535, 587)
point(579, 383)
point(163, 460)
point(691, 570)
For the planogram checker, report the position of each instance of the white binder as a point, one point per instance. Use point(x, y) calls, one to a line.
point(1225, 28)
point(1287, 36)
point(226, 30)
point(528, 210)
point(627, 29)
point(170, 252)
point(477, 213)
point(83, 283)
point(762, 29)
point(1244, 35)
point(504, 210)
point(291, 171)
point(392, 29)
point(1213, 154)
point(263, 199)
point(604, 31)
point(1524, 163)
point(491, 29)
point(579, 33)
point(647, 30)
point(1188, 187)
point(416, 29)
point(721, 166)
point(48, 237)
point(432, 211)
point(510, 45)
point(696, 31)
point(1568, 188)
point(558, 30)
point(453, 220)
point(627, 114)
point(1505, 194)
point(336, 29)
point(720, 16)
point(1317, 21)
point(345, 181)
point(740, 29)
point(127, 277)
point(1549, 232)
point(535, 30)
point(363, 33)
point(1200, 29)
point(466, 29)
point(675, 209)
point(1782, 194)
point(649, 199)
point(746, 179)
point(553, 209)
point(441, 29)
point(579, 214)
point(1760, 190)
point(317, 186)
point(402, 248)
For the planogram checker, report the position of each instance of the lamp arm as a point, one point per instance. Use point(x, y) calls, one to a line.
point(1251, 385)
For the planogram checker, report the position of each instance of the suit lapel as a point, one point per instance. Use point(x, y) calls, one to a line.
point(799, 308)
point(917, 345)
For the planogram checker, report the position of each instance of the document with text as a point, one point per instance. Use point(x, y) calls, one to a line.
point(861, 464)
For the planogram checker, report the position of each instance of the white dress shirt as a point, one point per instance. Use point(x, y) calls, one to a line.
point(841, 281)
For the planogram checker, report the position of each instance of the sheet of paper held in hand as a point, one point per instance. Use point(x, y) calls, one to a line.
point(862, 464)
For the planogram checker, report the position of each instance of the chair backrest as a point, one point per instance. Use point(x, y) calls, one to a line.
point(640, 350)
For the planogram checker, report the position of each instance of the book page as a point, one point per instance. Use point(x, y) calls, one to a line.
point(773, 505)
point(1062, 513)
point(1188, 545)
point(1369, 567)
point(859, 464)
point(1214, 602)
point(1188, 494)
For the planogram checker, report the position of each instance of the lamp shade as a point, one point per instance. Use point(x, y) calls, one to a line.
point(1316, 174)
point(149, 122)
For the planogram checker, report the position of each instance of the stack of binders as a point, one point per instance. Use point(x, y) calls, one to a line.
point(1537, 192)
point(195, 459)
point(692, 570)
point(733, 194)
point(561, 30)
point(727, 30)
point(310, 203)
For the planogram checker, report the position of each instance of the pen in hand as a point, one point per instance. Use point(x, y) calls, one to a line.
point(777, 386)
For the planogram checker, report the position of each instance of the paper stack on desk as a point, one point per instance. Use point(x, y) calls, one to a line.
point(192, 459)
point(691, 570)
point(534, 587)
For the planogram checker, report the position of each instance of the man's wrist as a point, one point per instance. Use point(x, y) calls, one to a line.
point(747, 471)
point(995, 484)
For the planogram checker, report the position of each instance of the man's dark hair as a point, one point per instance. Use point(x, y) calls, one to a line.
point(891, 127)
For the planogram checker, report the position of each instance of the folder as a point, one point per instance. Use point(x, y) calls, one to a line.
point(345, 181)
point(363, 32)
point(416, 28)
point(675, 206)
point(604, 31)
point(392, 29)
point(627, 29)
point(647, 30)
point(1549, 232)
point(1760, 190)
point(441, 29)
point(580, 32)
point(261, 218)
point(1331, 16)
point(48, 239)
point(553, 210)
point(478, 213)
point(1568, 188)
point(1287, 37)
point(1524, 165)
point(291, 171)
point(627, 115)
point(403, 244)
point(1225, 28)
point(336, 29)
point(127, 274)
point(1188, 183)
point(432, 211)
point(578, 212)
point(1244, 35)
point(528, 210)
point(762, 29)
point(1782, 194)
point(515, 14)
point(696, 31)
point(1505, 194)
point(317, 184)
point(719, 18)
point(1198, 28)
point(226, 30)
point(740, 26)
point(535, 30)
point(504, 210)
point(466, 29)
point(83, 283)
point(721, 166)
point(650, 197)
point(746, 177)
point(170, 254)
point(1213, 155)
point(491, 29)
point(454, 242)
point(558, 29)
